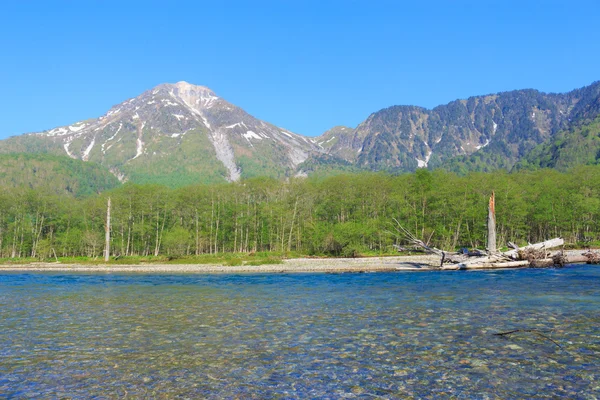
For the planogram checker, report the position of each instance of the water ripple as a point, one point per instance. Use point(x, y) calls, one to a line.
point(388, 335)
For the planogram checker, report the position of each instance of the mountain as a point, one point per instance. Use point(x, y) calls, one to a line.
point(480, 133)
point(180, 134)
point(335, 137)
point(56, 174)
point(175, 134)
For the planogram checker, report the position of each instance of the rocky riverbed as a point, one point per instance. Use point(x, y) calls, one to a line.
point(367, 264)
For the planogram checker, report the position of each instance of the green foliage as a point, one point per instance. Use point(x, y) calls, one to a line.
point(579, 145)
point(262, 220)
point(32, 143)
point(58, 174)
point(177, 165)
point(321, 166)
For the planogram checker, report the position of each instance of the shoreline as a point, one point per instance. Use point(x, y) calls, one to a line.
point(299, 265)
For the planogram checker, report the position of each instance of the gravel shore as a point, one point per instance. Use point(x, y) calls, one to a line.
point(368, 264)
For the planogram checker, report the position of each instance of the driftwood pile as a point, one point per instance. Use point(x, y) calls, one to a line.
point(539, 255)
point(534, 255)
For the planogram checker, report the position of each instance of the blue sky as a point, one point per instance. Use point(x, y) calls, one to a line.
point(302, 65)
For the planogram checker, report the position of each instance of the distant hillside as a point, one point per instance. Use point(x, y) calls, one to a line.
point(58, 174)
point(181, 134)
point(323, 165)
point(481, 133)
point(579, 145)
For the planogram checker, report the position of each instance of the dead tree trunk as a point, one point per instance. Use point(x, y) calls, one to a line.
point(107, 233)
point(491, 239)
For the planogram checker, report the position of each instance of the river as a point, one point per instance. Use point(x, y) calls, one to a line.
point(382, 335)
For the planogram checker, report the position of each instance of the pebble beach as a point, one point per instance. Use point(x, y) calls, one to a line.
point(301, 265)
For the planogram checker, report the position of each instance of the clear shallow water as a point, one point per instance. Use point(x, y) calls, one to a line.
point(390, 335)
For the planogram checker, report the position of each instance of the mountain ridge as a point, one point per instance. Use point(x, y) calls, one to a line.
point(509, 124)
point(178, 134)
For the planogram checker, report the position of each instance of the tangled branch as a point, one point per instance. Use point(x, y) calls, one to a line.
point(535, 331)
point(405, 234)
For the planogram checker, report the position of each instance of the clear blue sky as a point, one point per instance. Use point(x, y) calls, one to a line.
point(303, 65)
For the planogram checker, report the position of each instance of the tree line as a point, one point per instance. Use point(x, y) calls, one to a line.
point(344, 215)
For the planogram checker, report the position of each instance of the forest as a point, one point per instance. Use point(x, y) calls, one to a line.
point(346, 215)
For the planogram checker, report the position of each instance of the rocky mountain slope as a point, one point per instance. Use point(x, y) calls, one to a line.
point(578, 145)
point(175, 134)
point(483, 132)
point(180, 134)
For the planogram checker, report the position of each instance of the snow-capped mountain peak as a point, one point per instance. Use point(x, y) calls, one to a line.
point(168, 120)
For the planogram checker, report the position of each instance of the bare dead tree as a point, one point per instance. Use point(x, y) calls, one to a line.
point(107, 233)
point(404, 234)
point(491, 239)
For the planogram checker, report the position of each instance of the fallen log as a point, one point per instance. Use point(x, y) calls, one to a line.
point(576, 259)
point(532, 255)
point(592, 256)
point(487, 265)
point(548, 244)
point(543, 263)
point(560, 260)
point(485, 259)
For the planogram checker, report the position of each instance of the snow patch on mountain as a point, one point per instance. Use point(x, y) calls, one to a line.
point(205, 121)
point(139, 150)
point(113, 112)
point(75, 128)
point(251, 135)
point(423, 163)
point(56, 132)
point(86, 153)
point(66, 147)
point(240, 124)
point(206, 99)
point(487, 141)
point(111, 138)
point(120, 176)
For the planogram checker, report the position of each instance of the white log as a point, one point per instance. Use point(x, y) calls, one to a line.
point(509, 264)
point(487, 265)
point(548, 244)
point(482, 260)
